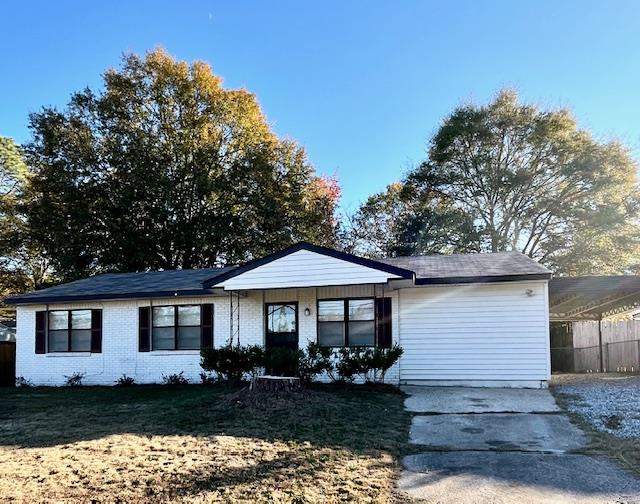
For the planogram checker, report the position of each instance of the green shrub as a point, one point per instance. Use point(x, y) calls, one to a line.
point(74, 380)
point(125, 381)
point(232, 363)
point(175, 379)
point(381, 360)
point(349, 363)
point(283, 361)
point(371, 364)
point(315, 360)
point(207, 378)
point(23, 382)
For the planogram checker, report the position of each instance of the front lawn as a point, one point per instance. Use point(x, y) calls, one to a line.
point(199, 444)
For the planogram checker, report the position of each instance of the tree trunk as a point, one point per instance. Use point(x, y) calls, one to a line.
point(276, 384)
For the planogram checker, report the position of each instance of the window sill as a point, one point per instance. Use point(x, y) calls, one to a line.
point(69, 354)
point(159, 353)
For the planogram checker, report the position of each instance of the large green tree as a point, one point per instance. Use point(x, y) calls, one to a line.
point(165, 168)
point(23, 266)
point(511, 176)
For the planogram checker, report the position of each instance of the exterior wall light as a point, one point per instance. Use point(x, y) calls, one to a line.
point(307, 312)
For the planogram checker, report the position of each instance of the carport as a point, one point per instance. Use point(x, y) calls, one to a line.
point(587, 298)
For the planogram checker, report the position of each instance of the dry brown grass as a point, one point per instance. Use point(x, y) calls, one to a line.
point(197, 444)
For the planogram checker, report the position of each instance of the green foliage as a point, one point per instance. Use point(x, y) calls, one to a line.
point(125, 381)
point(282, 361)
point(351, 362)
point(232, 363)
point(165, 169)
point(175, 379)
point(21, 381)
point(370, 364)
point(380, 360)
point(315, 360)
point(207, 378)
point(510, 176)
point(74, 380)
point(22, 265)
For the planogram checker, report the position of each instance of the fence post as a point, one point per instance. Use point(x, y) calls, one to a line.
point(600, 344)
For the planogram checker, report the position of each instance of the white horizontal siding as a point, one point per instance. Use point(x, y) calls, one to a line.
point(305, 269)
point(491, 332)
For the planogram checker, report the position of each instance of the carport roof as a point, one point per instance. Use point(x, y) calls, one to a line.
point(593, 297)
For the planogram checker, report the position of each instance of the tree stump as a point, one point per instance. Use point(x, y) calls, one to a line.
point(276, 384)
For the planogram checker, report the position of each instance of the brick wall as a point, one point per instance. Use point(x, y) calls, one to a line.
point(120, 337)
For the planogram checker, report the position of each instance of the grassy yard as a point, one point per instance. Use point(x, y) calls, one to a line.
point(198, 444)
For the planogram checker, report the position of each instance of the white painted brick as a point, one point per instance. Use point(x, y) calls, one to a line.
point(120, 337)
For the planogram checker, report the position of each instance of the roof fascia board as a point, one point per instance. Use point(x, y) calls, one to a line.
point(23, 300)
point(482, 279)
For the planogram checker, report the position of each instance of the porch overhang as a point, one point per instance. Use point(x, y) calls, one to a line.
point(306, 265)
point(593, 297)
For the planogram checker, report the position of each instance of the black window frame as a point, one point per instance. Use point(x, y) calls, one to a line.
point(345, 322)
point(176, 326)
point(69, 330)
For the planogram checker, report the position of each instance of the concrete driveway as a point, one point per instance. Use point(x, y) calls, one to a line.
point(503, 446)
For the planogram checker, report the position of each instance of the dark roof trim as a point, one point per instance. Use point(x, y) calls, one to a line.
point(369, 263)
point(482, 279)
point(18, 300)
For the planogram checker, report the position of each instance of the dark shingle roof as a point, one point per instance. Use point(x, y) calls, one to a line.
point(474, 267)
point(428, 269)
point(127, 285)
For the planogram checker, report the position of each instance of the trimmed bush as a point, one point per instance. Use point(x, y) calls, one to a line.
point(282, 361)
point(232, 363)
point(175, 379)
point(314, 361)
point(350, 363)
point(21, 381)
point(125, 381)
point(207, 378)
point(382, 359)
point(371, 364)
point(74, 380)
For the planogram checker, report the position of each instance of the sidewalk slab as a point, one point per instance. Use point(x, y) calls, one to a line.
point(478, 400)
point(516, 478)
point(497, 431)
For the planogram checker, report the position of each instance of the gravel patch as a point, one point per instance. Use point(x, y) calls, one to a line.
point(611, 403)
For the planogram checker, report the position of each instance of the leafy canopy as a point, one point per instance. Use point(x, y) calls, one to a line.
point(164, 168)
point(22, 265)
point(510, 176)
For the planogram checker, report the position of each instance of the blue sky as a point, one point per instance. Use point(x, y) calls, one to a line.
point(361, 84)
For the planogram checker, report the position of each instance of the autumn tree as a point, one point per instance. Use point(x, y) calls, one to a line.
point(511, 176)
point(166, 168)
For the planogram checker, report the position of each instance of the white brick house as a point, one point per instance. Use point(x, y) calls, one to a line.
point(467, 319)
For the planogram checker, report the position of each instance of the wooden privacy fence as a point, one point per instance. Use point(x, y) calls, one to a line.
point(619, 350)
point(7, 363)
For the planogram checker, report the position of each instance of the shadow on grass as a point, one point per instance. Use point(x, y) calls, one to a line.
point(356, 419)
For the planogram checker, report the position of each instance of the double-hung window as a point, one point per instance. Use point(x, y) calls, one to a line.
point(176, 327)
point(69, 331)
point(346, 322)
